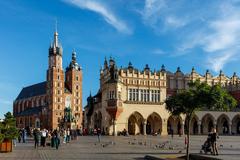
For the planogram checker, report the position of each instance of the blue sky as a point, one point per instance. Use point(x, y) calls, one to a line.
point(203, 34)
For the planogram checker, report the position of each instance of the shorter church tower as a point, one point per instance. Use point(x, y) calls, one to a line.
point(73, 83)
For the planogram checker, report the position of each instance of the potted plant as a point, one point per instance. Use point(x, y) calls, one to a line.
point(8, 132)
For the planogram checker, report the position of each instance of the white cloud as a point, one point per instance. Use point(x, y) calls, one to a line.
point(214, 28)
point(221, 38)
point(156, 15)
point(152, 9)
point(106, 13)
point(217, 63)
point(225, 35)
point(174, 22)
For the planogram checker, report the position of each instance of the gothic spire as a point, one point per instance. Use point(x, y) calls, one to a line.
point(55, 42)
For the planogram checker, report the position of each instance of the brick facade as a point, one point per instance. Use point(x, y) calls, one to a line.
point(57, 102)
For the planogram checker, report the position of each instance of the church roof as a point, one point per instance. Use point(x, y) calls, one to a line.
point(33, 90)
point(30, 111)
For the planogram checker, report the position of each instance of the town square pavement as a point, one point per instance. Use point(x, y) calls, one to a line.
point(132, 147)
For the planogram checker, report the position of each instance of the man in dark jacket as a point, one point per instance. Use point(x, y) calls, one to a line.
point(99, 134)
point(214, 137)
point(36, 135)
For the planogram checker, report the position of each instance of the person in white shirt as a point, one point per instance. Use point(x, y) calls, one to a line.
point(64, 136)
point(43, 137)
point(68, 135)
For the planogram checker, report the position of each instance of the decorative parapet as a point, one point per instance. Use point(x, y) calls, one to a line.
point(140, 102)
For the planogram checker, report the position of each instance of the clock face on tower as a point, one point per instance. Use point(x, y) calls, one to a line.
point(68, 102)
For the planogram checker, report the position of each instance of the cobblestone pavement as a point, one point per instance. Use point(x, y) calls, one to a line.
point(132, 147)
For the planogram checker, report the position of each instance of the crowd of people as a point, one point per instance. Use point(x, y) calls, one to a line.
point(44, 137)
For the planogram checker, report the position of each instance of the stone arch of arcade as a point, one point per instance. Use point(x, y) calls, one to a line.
point(175, 125)
point(223, 124)
point(135, 123)
point(236, 124)
point(154, 124)
point(208, 122)
point(195, 125)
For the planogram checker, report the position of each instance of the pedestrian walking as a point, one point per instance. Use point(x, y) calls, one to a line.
point(36, 135)
point(64, 136)
point(56, 139)
point(214, 137)
point(43, 137)
point(19, 136)
point(99, 134)
point(24, 135)
point(52, 137)
point(68, 135)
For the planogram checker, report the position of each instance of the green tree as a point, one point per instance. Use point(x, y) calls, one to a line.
point(8, 128)
point(199, 96)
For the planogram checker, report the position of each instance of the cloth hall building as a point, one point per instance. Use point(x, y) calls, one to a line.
point(56, 102)
point(133, 99)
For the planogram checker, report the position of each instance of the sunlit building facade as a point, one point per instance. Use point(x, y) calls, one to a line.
point(133, 99)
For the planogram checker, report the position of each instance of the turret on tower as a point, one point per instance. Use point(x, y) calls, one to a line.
point(74, 83)
point(55, 53)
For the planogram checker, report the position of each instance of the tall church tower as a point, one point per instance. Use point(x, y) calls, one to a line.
point(55, 83)
point(74, 84)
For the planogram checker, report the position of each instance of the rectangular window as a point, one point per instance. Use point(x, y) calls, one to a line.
point(134, 94)
point(147, 95)
point(137, 94)
point(142, 95)
point(130, 94)
point(153, 95)
point(158, 96)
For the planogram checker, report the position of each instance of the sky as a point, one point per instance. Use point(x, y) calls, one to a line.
point(203, 34)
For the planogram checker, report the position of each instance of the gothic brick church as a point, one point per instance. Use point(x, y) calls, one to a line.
point(56, 102)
